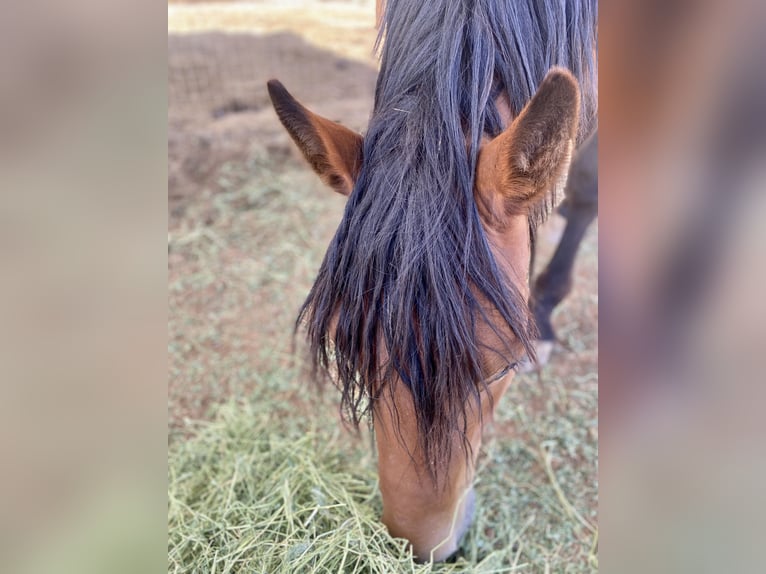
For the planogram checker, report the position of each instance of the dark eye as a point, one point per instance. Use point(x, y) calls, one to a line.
point(503, 372)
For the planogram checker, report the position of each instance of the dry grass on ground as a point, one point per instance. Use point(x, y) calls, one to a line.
point(274, 484)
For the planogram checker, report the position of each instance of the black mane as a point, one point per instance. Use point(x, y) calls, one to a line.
point(402, 274)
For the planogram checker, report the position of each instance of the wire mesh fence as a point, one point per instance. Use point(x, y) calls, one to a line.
point(226, 70)
point(219, 73)
point(213, 72)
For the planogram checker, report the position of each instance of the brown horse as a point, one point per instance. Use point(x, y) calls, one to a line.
point(420, 309)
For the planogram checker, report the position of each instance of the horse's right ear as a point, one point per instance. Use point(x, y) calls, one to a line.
point(334, 151)
point(531, 157)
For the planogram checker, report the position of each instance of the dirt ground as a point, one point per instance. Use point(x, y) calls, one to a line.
point(225, 146)
point(219, 59)
point(248, 222)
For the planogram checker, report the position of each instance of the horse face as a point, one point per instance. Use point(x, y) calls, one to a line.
point(515, 171)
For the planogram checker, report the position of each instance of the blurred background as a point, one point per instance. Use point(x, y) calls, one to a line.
point(682, 86)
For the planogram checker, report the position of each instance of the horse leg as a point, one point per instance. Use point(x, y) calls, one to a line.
point(555, 282)
point(580, 208)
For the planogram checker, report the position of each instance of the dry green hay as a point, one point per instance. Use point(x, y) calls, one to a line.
point(260, 491)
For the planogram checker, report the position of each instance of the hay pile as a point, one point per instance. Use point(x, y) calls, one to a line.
point(248, 494)
point(245, 499)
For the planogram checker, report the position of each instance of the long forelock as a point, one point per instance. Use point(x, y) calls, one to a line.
point(397, 295)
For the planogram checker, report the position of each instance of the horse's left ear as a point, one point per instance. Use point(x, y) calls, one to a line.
point(334, 151)
point(532, 155)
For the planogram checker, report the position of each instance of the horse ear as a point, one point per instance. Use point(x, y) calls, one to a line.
point(334, 151)
point(532, 155)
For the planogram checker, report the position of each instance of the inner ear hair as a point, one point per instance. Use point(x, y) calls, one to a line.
point(542, 138)
point(531, 157)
